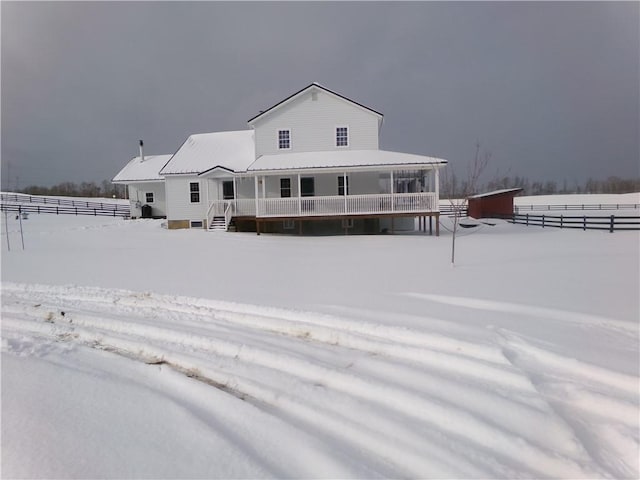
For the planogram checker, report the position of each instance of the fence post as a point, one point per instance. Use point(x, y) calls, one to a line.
point(584, 222)
point(542, 221)
point(561, 222)
point(6, 228)
point(527, 219)
point(611, 224)
point(57, 213)
point(21, 234)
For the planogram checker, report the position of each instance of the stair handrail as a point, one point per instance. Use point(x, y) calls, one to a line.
point(228, 215)
point(209, 216)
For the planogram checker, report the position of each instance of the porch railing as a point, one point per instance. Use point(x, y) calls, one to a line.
point(337, 205)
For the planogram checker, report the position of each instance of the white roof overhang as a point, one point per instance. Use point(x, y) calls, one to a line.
point(343, 161)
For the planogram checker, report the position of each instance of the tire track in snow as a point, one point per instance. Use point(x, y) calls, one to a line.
point(462, 430)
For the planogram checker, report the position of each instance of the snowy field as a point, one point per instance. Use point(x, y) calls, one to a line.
point(131, 351)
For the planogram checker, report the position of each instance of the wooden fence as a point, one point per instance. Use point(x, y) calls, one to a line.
point(584, 206)
point(64, 210)
point(611, 223)
point(23, 203)
point(21, 198)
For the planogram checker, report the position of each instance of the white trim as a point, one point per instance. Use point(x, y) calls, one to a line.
point(319, 88)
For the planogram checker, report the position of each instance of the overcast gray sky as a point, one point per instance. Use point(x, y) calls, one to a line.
point(551, 89)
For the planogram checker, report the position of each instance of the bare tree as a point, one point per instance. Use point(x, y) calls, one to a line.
point(459, 199)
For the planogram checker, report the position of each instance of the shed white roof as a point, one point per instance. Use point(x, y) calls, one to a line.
point(142, 171)
point(496, 192)
point(341, 159)
point(202, 152)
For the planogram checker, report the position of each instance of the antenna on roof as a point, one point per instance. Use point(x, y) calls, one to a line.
point(141, 151)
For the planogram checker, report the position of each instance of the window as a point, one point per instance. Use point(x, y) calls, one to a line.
point(284, 139)
point(341, 185)
point(342, 136)
point(196, 224)
point(148, 197)
point(285, 187)
point(227, 190)
point(194, 190)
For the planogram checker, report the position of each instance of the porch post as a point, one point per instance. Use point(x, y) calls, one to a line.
point(344, 190)
point(436, 205)
point(392, 200)
point(299, 201)
point(235, 196)
point(256, 195)
point(264, 186)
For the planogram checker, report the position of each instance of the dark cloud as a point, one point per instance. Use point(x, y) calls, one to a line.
point(552, 89)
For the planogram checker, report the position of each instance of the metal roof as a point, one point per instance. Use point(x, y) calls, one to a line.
point(497, 192)
point(341, 159)
point(233, 151)
point(142, 171)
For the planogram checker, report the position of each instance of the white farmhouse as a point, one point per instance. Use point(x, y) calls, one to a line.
point(309, 164)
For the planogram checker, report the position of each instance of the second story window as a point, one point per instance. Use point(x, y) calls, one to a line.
point(284, 139)
point(342, 136)
point(194, 190)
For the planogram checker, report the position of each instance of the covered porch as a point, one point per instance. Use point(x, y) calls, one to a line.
point(293, 197)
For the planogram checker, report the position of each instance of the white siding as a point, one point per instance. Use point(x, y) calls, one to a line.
point(313, 125)
point(137, 193)
point(179, 206)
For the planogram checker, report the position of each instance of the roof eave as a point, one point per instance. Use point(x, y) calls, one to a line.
point(300, 92)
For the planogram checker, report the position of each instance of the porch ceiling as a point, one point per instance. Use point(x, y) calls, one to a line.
point(343, 159)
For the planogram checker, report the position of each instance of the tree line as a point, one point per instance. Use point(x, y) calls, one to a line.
point(104, 189)
point(453, 188)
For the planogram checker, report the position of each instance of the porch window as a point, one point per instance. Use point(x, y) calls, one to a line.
point(341, 185)
point(148, 197)
point(284, 139)
point(285, 187)
point(227, 190)
point(194, 190)
point(342, 136)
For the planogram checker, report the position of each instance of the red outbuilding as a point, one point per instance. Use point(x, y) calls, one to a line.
point(490, 204)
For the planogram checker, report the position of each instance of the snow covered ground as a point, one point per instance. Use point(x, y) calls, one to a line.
point(131, 351)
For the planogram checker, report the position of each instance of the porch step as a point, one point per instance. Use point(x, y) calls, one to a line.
point(217, 225)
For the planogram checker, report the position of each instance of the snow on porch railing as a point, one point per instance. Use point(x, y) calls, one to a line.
point(349, 205)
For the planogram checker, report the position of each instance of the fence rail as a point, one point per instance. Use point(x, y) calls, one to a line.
point(23, 198)
point(63, 210)
point(583, 206)
point(611, 223)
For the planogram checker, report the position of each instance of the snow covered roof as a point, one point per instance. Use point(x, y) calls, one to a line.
point(205, 151)
point(497, 192)
point(310, 87)
point(142, 171)
point(340, 159)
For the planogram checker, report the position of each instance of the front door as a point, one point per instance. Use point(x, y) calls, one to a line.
point(227, 190)
point(307, 189)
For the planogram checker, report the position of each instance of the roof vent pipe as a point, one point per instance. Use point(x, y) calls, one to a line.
point(141, 151)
